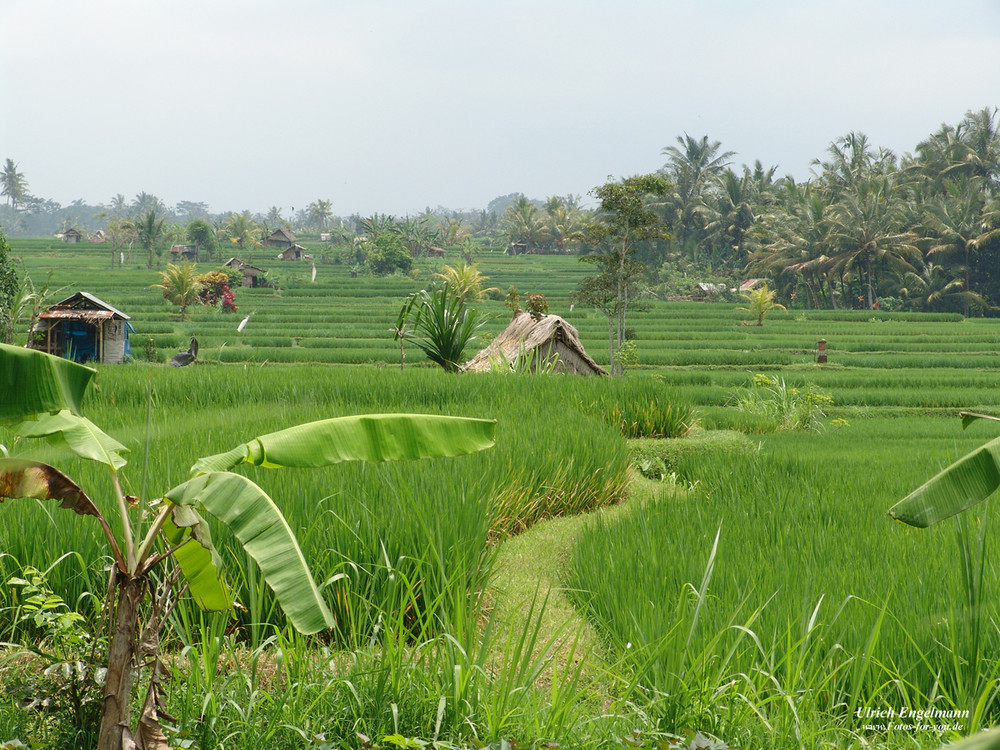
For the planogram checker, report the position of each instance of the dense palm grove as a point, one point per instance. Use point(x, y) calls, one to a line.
point(870, 229)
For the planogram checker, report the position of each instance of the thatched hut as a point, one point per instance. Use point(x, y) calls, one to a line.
point(549, 342)
point(72, 236)
point(280, 237)
point(294, 252)
point(83, 328)
point(253, 277)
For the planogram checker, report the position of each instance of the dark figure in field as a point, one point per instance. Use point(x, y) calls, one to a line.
point(185, 358)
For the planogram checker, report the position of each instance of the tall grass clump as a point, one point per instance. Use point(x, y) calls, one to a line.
point(774, 405)
point(808, 605)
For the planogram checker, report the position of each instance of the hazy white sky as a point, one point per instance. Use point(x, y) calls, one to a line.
point(392, 106)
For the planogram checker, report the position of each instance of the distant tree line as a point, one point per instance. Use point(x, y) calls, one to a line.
point(869, 229)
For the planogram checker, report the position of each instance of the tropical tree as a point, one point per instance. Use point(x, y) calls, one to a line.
point(203, 235)
point(466, 281)
point(148, 230)
point(45, 402)
point(9, 292)
point(179, 285)
point(867, 228)
point(933, 288)
point(144, 203)
point(957, 223)
point(121, 234)
point(626, 217)
point(14, 184)
point(761, 302)
point(241, 230)
point(524, 224)
point(320, 212)
point(440, 324)
point(692, 169)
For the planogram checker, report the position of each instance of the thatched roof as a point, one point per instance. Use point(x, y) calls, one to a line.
point(549, 336)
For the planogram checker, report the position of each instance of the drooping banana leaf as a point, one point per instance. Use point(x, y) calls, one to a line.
point(372, 437)
point(24, 479)
point(969, 480)
point(198, 558)
point(20, 478)
point(33, 382)
point(76, 434)
point(257, 522)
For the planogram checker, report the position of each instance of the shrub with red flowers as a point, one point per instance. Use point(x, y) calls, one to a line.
point(215, 290)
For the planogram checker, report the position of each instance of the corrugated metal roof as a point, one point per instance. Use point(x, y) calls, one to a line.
point(90, 298)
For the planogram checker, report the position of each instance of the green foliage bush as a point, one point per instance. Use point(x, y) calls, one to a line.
point(656, 458)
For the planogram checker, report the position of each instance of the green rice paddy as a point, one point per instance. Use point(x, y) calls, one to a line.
point(816, 603)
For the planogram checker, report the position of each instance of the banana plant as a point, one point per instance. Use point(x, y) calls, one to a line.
point(970, 480)
point(42, 399)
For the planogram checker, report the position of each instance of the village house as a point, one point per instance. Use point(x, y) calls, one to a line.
point(83, 328)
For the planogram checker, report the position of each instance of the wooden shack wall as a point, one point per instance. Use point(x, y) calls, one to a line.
point(113, 342)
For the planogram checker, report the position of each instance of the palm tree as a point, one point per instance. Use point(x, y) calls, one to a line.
point(692, 169)
point(244, 232)
point(148, 230)
point(15, 186)
point(761, 301)
point(320, 212)
point(179, 285)
point(523, 223)
point(958, 226)
point(466, 281)
point(933, 288)
point(866, 227)
point(145, 203)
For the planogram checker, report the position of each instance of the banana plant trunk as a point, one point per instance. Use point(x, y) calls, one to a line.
point(115, 714)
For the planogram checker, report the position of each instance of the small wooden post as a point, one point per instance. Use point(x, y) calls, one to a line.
point(821, 352)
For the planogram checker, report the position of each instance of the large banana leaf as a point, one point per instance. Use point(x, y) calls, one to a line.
point(259, 525)
point(33, 382)
point(372, 437)
point(198, 559)
point(969, 480)
point(76, 434)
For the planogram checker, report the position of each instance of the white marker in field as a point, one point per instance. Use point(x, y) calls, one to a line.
point(243, 324)
point(314, 274)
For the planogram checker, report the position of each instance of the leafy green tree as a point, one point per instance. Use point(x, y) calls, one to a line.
point(241, 230)
point(203, 235)
point(179, 285)
point(386, 254)
point(148, 230)
point(626, 217)
point(168, 540)
point(14, 184)
point(9, 289)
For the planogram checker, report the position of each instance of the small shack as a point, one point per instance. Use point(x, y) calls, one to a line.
point(71, 236)
point(184, 252)
point(280, 237)
point(253, 277)
point(295, 252)
point(750, 284)
point(547, 342)
point(704, 290)
point(83, 328)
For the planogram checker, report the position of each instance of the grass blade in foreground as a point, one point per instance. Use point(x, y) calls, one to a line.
point(969, 480)
point(374, 438)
